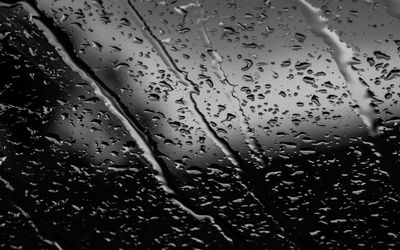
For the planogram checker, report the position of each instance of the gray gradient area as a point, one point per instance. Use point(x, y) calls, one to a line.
point(276, 87)
point(200, 124)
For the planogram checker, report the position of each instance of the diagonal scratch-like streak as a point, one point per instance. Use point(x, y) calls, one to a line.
point(182, 77)
point(117, 108)
point(45, 231)
point(343, 56)
point(255, 182)
point(247, 131)
point(388, 160)
point(359, 92)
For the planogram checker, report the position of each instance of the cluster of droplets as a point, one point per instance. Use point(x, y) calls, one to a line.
point(223, 94)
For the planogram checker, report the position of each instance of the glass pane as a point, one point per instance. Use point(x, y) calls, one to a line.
point(199, 124)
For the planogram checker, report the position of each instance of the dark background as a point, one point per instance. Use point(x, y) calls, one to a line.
point(72, 177)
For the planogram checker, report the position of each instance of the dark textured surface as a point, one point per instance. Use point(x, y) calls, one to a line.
point(72, 176)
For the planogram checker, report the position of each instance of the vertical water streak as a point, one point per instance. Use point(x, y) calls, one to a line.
point(343, 56)
point(182, 77)
point(229, 89)
point(251, 176)
point(43, 231)
point(388, 159)
point(101, 90)
point(49, 242)
point(112, 102)
point(7, 184)
point(261, 191)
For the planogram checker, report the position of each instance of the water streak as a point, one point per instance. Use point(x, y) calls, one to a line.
point(182, 77)
point(343, 56)
point(103, 92)
point(49, 242)
point(115, 106)
point(9, 192)
point(7, 184)
point(229, 89)
point(253, 178)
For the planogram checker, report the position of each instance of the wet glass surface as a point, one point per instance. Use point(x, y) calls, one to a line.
point(193, 124)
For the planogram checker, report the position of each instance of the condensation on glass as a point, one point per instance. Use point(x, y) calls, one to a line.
point(199, 124)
